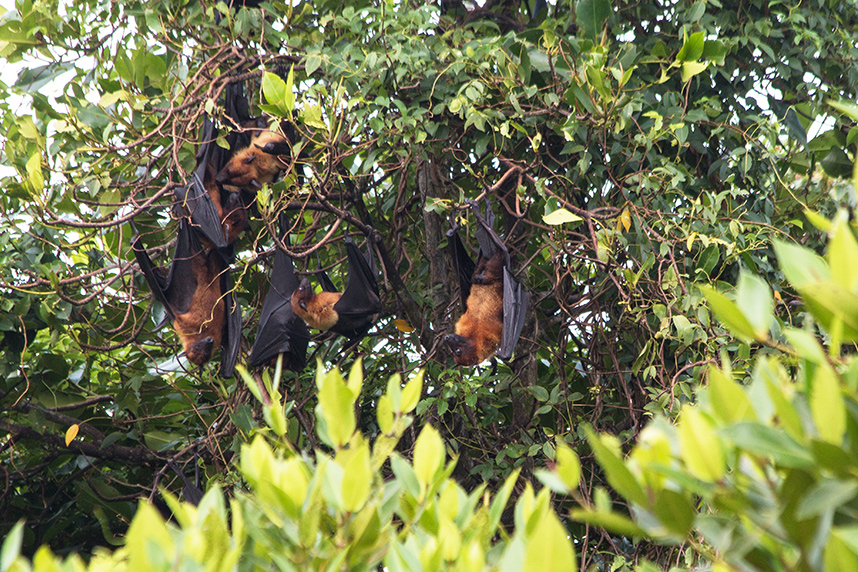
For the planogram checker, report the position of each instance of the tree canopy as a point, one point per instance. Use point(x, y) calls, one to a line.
point(641, 158)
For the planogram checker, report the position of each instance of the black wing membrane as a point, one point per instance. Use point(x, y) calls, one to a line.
point(231, 339)
point(516, 301)
point(487, 238)
point(360, 304)
point(211, 157)
point(193, 198)
point(463, 264)
point(176, 290)
point(280, 330)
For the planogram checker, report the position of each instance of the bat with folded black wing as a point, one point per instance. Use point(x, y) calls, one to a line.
point(353, 311)
point(197, 296)
point(495, 303)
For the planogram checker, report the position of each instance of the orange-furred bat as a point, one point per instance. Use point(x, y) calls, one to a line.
point(193, 294)
point(260, 163)
point(495, 303)
point(217, 213)
point(350, 313)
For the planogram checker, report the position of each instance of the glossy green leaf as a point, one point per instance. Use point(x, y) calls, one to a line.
point(754, 299)
point(827, 405)
point(428, 456)
point(729, 401)
point(549, 547)
point(591, 16)
point(769, 442)
point(692, 48)
point(701, 448)
point(619, 476)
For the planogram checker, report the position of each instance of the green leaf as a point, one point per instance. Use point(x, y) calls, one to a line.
point(701, 449)
point(11, 546)
point(278, 95)
point(560, 216)
point(691, 69)
point(619, 476)
point(843, 256)
point(729, 401)
point(675, 511)
point(428, 456)
point(312, 63)
point(826, 496)
point(715, 51)
point(692, 48)
point(411, 393)
point(612, 521)
point(591, 16)
point(827, 405)
point(356, 487)
point(501, 498)
point(841, 551)
point(568, 466)
point(769, 442)
point(549, 548)
point(800, 265)
point(336, 408)
point(729, 314)
point(754, 299)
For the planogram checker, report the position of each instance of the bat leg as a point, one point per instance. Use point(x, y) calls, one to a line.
point(494, 367)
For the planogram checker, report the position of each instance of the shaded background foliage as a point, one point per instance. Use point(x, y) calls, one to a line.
point(683, 136)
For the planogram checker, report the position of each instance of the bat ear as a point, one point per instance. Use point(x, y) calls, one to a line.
point(250, 158)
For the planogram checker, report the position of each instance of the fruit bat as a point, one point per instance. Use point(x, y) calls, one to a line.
point(218, 214)
point(197, 296)
point(350, 313)
point(268, 154)
point(280, 330)
point(495, 303)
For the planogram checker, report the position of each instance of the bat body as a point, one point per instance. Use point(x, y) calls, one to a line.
point(260, 163)
point(216, 212)
point(350, 313)
point(315, 309)
point(479, 331)
point(193, 296)
point(495, 303)
point(280, 330)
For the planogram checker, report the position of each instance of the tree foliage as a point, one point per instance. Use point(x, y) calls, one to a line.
point(663, 148)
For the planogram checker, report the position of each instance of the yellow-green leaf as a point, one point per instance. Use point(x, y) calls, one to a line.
point(549, 548)
point(701, 448)
point(428, 456)
point(560, 216)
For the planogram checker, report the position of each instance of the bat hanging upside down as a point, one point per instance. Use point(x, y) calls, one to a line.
point(351, 312)
point(495, 303)
point(480, 329)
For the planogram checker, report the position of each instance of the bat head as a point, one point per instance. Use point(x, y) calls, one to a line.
point(200, 351)
point(464, 350)
point(254, 166)
point(302, 296)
